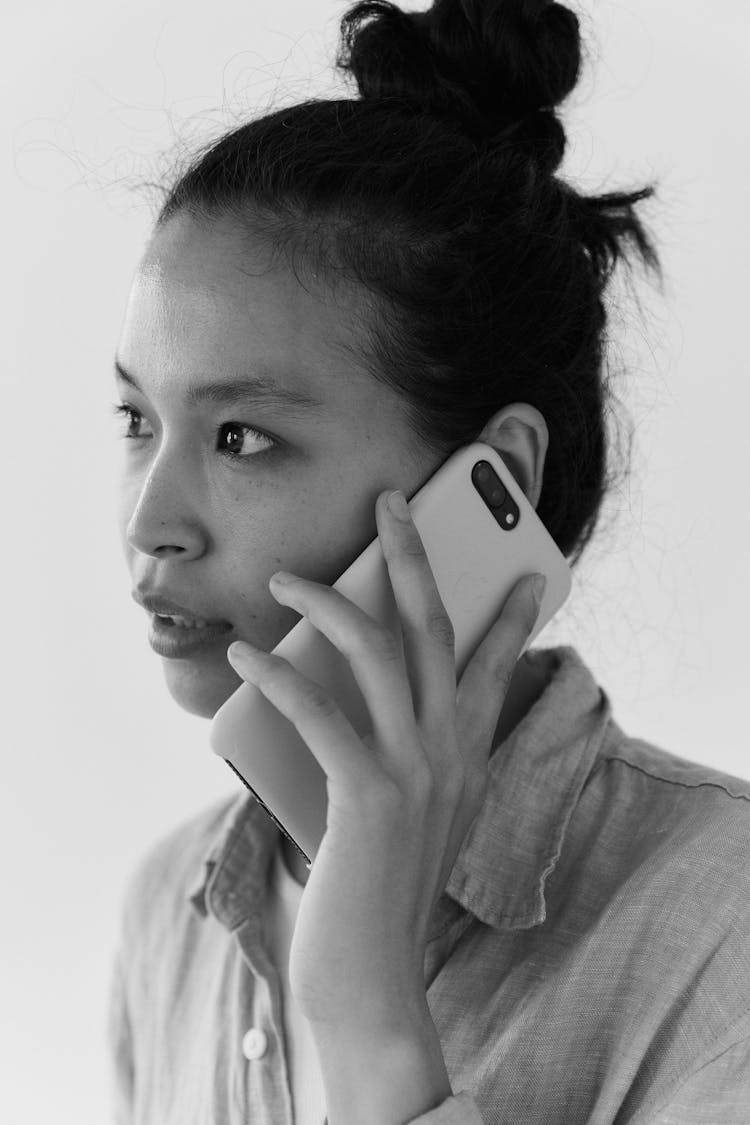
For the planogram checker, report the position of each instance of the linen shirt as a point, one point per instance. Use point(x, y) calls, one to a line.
point(588, 962)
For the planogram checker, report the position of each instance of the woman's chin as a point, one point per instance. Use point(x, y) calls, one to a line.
point(200, 687)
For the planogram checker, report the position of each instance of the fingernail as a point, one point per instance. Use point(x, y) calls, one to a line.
point(538, 586)
point(397, 504)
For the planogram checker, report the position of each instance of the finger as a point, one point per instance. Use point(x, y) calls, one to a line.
point(428, 635)
point(319, 721)
point(374, 656)
point(483, 687)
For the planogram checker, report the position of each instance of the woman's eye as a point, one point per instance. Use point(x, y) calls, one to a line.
point(135, 417)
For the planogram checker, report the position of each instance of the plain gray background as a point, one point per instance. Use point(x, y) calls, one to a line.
point(99, 759)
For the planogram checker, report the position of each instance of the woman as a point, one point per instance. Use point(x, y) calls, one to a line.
point(518, 913)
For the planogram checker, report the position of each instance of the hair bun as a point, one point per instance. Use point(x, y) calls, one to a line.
point(499, 68)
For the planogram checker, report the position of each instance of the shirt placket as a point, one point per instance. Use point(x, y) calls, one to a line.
point(261, 1043)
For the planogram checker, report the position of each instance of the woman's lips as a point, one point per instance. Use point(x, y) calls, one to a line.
point(178, 641)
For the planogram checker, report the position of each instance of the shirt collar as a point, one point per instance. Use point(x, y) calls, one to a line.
point(535, 778)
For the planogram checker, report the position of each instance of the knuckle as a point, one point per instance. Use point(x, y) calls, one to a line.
point(407, 542)
point(412, 545)
point(475, 789)
point(502, 674)
point(453, 784)
point(422, 782)
point(383, 645)
point(377, 800)
point(386, 796)
point(440, 628)
point(412, 783)
point(493, 669)
point(398, 553)
point(315, 698)
point(272, 669)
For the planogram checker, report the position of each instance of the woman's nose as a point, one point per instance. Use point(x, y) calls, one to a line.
point(162, 509)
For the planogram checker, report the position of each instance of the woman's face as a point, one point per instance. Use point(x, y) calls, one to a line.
point(207, 530)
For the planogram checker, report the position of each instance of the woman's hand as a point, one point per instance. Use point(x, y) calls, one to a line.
point(401, 800)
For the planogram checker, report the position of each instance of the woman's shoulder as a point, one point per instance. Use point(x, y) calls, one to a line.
point(673, 816)
point(673, 769)
point(164, 870)
point(694, 790)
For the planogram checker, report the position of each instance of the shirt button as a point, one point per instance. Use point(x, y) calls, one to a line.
point(254, 1043)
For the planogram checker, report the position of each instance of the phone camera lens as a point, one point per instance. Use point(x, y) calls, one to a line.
point(495, 495)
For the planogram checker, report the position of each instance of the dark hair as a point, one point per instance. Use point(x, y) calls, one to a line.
point(436, 191)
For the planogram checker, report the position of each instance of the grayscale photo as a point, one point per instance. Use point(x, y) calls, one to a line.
point(375, 665)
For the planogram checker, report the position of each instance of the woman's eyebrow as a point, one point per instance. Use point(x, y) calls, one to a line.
point(231, 392)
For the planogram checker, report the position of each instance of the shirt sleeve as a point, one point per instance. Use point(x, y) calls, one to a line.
point(718, 1091)
point(120, 1046)
point(459, 1109)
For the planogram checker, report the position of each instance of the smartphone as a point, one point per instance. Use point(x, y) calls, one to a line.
point(481, 536)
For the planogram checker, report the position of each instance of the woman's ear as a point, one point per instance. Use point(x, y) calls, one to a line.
point(519, 434)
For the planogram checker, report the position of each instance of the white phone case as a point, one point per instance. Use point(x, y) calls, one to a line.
point(476, 563)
